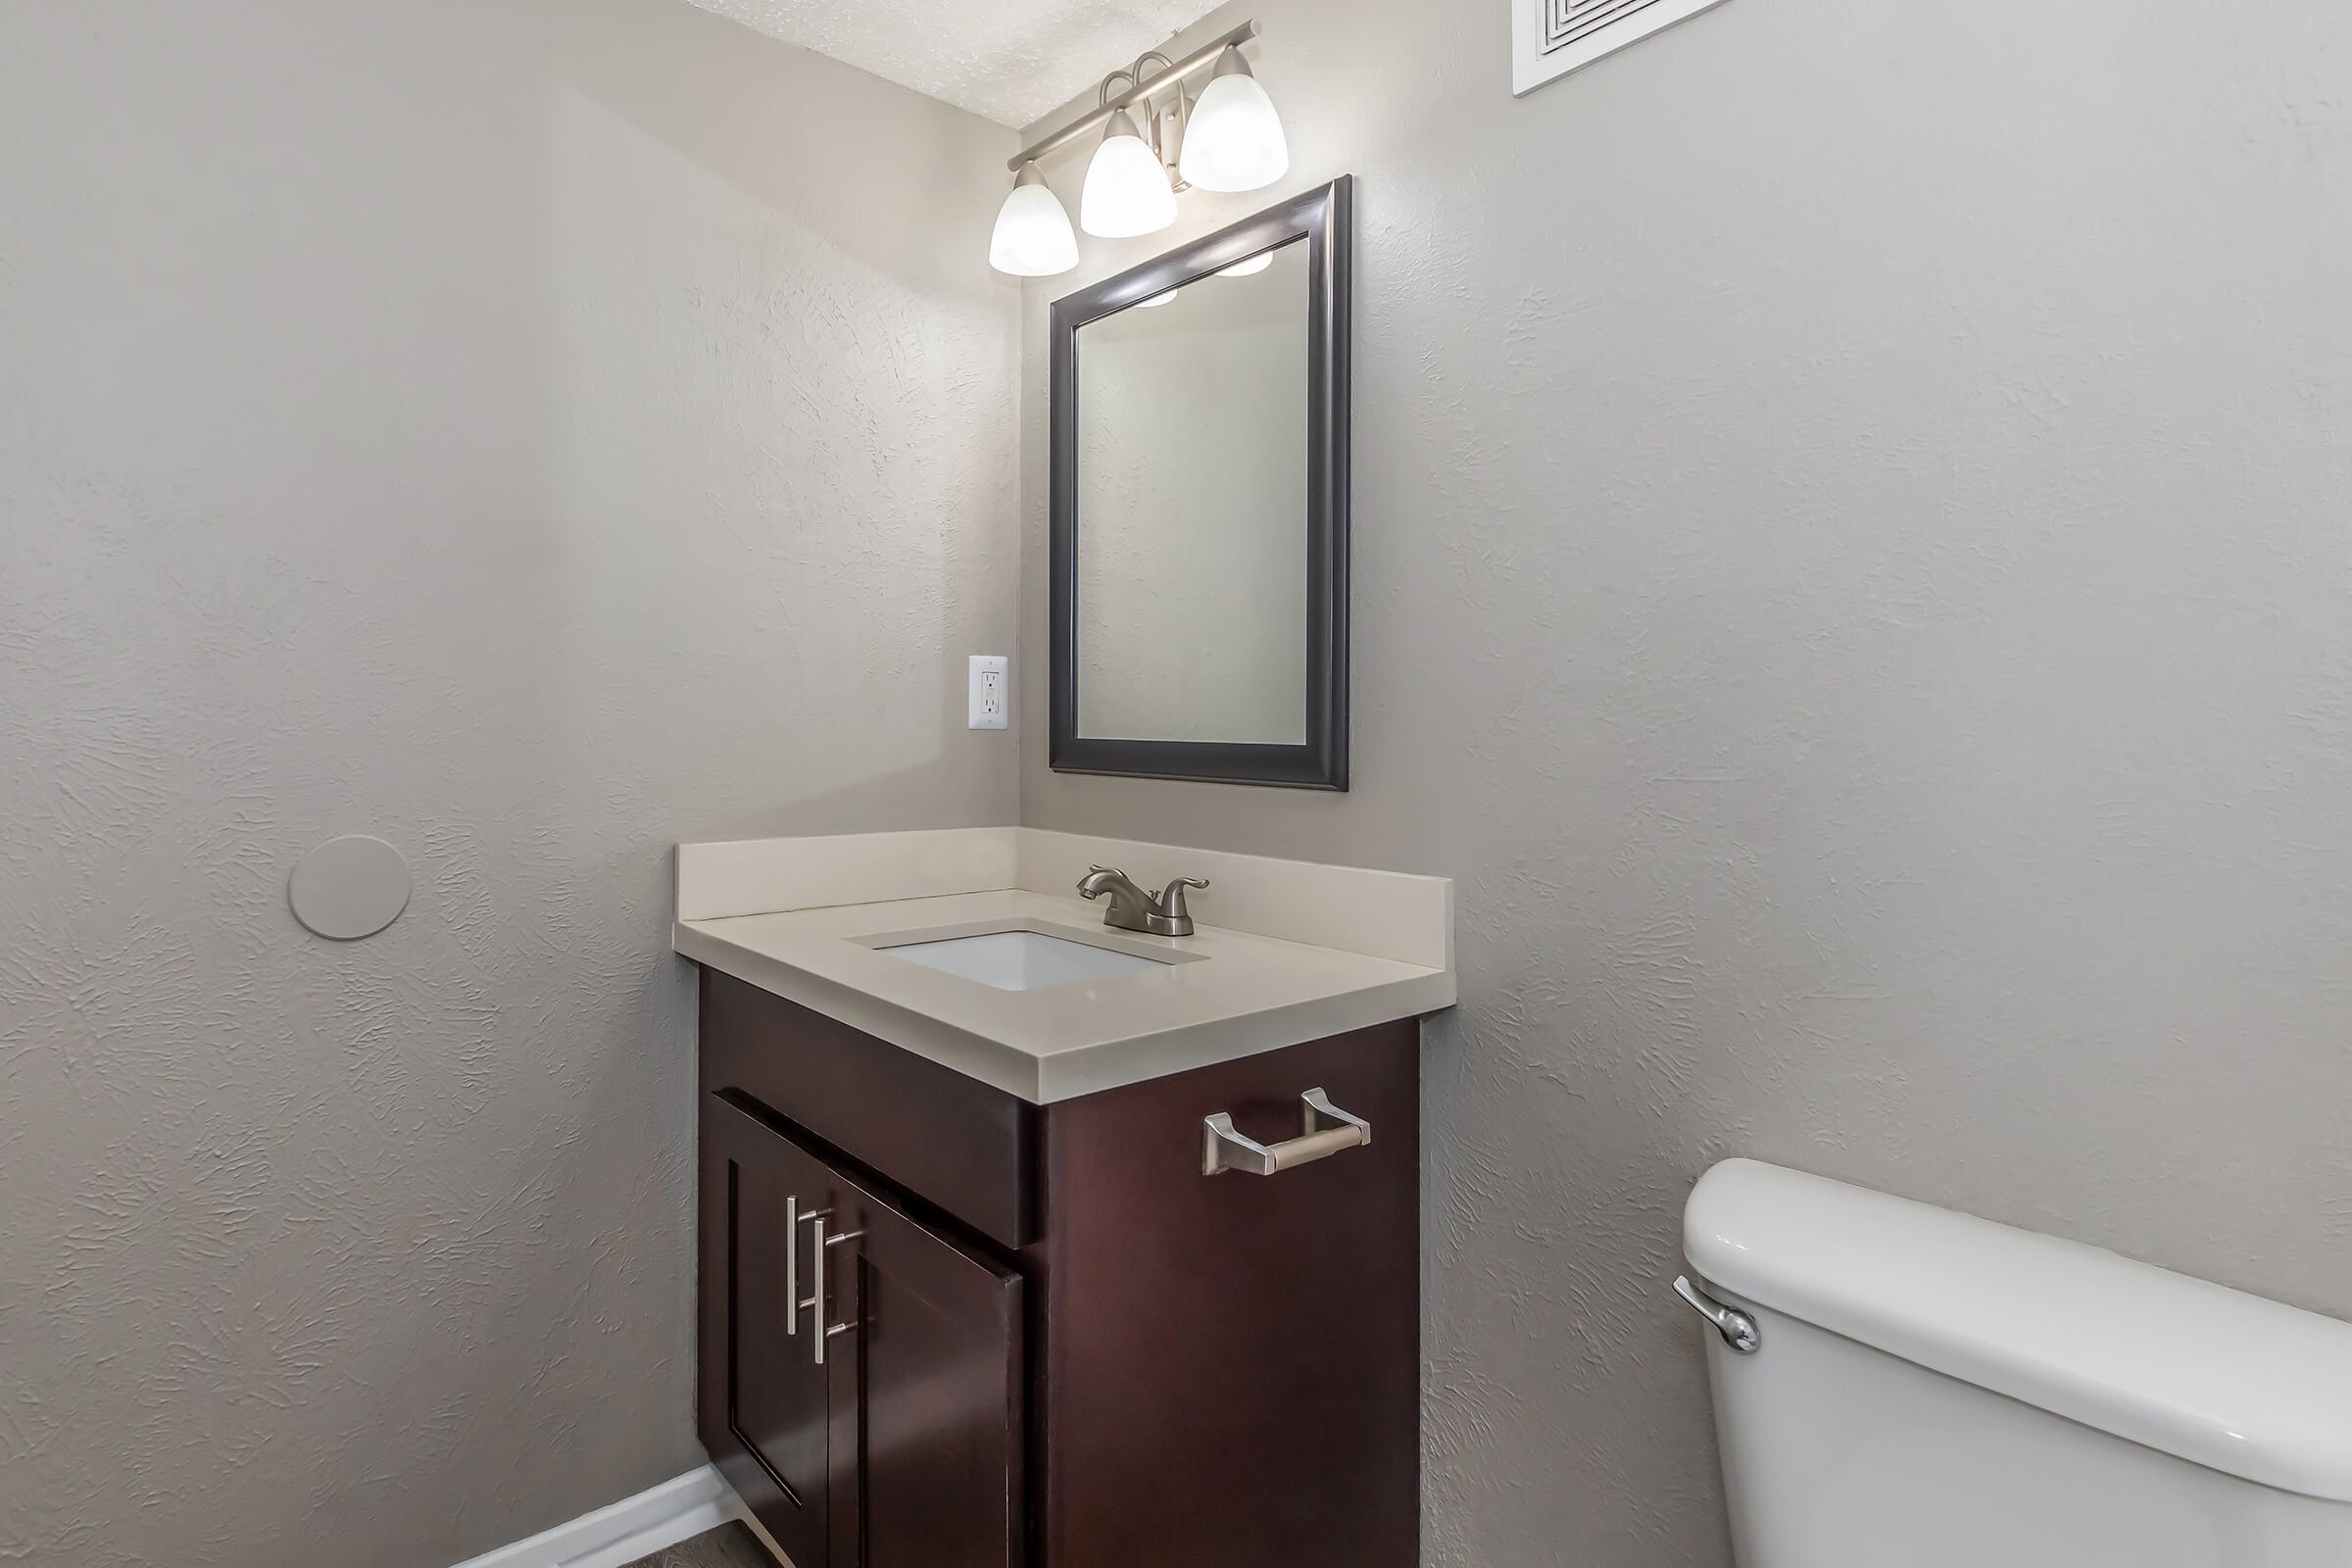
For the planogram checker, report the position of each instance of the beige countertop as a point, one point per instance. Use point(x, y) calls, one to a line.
point(1237, 992)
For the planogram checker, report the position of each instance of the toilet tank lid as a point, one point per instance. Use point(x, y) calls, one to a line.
point(2237, 1383)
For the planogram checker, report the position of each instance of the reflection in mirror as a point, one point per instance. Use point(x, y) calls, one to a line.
point(1192, 481)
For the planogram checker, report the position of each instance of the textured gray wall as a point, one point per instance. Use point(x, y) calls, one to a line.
point(532, 431)
point(1851, 575)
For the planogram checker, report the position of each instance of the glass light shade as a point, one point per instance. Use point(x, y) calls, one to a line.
point(1033, 237)
point(1249, 268)
point(1156, 301)
point(1234, 139)
point(1127, 190)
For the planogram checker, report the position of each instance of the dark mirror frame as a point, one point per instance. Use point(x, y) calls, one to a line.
point(1323, 218)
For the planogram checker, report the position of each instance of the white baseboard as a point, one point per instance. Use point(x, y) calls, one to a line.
point(659, 1516)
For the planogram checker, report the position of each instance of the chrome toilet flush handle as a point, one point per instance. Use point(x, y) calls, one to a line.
point(1737, 1328)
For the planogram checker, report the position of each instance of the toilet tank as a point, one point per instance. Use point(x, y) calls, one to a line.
point(1935, 1391)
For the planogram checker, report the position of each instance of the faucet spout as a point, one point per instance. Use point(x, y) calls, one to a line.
point(1103, 879)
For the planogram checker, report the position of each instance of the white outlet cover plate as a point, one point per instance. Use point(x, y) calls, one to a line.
point(989, 703)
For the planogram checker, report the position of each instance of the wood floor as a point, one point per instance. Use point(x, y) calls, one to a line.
point(727, 1546)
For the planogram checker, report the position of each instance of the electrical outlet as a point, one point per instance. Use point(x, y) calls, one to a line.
point(991, 696)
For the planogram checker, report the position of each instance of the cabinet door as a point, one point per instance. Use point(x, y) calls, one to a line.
point(885, 1429)
point(764, 1403)
point(940, 1395)
point(1232, 1364)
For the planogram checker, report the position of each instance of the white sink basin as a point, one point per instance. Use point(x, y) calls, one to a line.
point(1021, 960)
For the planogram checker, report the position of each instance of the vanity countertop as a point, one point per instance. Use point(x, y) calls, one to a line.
point(1239, 992)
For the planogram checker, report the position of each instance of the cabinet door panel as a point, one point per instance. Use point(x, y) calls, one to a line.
point(764, 1403)
point(1231, 1366)
point(940, 1402)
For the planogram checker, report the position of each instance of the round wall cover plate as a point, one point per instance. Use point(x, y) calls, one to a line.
point(349, 888)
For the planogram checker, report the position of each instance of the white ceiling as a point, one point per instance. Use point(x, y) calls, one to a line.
point(1010, 61)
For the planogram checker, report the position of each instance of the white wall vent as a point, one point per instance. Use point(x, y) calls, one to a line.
point(1552, 37)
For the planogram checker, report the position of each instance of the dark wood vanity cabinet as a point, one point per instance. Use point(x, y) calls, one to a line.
point(1048, 1337)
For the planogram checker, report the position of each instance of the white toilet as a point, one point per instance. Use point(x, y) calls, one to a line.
point(1927, 1389)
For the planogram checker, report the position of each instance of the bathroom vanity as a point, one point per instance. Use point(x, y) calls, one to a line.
point(1028, 1241)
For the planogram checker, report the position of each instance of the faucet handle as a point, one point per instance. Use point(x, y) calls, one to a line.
point(1171, 898)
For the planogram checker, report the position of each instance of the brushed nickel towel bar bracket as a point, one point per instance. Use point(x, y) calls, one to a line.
point(1327, 1130)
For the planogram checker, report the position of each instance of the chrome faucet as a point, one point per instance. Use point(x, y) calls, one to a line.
point(1133, 909)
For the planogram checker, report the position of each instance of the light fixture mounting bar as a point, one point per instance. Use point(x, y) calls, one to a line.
point(1199, 60)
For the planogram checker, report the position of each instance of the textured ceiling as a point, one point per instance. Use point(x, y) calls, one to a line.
point(1010, 60)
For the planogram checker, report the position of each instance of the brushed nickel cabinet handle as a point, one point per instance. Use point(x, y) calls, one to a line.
point(792, 1262)
point(1326, 1130)
point(791, 1265)
point(819, 1329)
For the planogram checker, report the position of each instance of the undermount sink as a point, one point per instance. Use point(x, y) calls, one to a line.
point(1021, 960)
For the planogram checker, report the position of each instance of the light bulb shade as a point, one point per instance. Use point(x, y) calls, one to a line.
point(1033, 237)
point(1127, 190)
point(1248, 268)
point(1234, 139)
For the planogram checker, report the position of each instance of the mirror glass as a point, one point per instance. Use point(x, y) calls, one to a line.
point(1192, 490)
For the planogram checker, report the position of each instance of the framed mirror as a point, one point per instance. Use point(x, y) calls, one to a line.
point(1199, 499)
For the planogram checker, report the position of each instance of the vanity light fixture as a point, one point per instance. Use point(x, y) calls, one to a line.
point(1234, 140)
point(1033, 237)
point(1148, 155)
point(1127, 190)
point(1249, 268)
